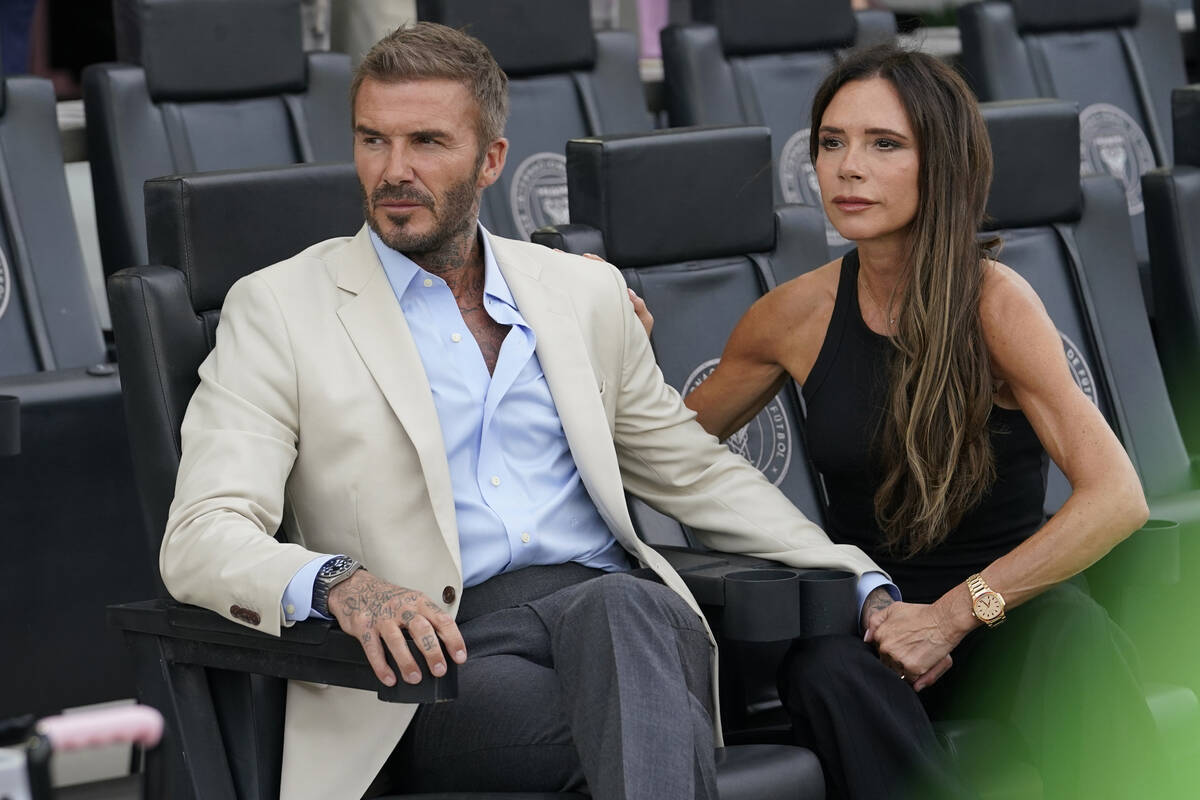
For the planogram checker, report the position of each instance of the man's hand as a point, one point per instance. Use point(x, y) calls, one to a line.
point(879, 599)
point(913, 641)
point(376, 613)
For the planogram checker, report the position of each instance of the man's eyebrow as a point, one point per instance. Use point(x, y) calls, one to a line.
point(365, 131)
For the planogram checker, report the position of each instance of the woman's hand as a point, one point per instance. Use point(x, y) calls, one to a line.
point(643, 314)
point(914, 641)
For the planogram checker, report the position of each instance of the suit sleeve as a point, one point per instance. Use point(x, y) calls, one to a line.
point(678, 468)
point(239, 438)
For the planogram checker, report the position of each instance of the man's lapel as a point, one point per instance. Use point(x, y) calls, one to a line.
point(569, 375)
point(376, 325)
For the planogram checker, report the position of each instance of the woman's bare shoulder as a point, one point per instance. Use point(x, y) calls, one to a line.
point(805, 295)
point(1006, 297)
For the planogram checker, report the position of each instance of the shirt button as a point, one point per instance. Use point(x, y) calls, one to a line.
point(456, 337)
point(495, 480)
point(448, 595)
point(524, 538)
point(428, 282)
point(291, 610)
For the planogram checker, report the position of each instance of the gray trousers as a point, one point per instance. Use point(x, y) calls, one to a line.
point(575, 680)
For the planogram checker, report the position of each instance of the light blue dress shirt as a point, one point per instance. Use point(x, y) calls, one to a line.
point(518, 497)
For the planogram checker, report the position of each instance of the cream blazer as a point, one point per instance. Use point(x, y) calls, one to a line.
point(314, 412)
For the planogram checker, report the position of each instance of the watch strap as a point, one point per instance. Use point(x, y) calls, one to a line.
point(324, 582)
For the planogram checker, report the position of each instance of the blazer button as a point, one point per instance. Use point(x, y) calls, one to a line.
point(448, 595)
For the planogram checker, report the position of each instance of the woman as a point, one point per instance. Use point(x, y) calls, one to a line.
point(935, 385)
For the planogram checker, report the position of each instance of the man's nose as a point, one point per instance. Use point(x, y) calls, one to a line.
point(399, 164)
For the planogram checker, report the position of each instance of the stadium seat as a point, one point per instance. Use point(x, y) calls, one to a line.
point(1172, 206)
point(1117, 59)
point(565, 81)
point(213, 229)
point(72, 544)
point(205, 85)
point(658, 206)
point(759, 63)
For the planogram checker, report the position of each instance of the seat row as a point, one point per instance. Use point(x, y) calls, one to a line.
point(656, 204)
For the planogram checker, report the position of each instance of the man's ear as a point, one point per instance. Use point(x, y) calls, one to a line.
point(493, 162)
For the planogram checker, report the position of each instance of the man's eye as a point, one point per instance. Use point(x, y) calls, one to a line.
point(372, 140)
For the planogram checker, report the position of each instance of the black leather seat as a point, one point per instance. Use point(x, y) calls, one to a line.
point(565, 81)
point(1117, 59)
point(205, 85)
point(759, 63)
point(215, 228)
point(1172, 197)
point(1068, 241)
point(67, 502)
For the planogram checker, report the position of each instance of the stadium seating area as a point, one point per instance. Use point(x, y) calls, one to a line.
point(218, 146)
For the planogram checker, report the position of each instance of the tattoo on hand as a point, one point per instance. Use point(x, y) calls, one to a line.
point(428, 641)
point(407, 617)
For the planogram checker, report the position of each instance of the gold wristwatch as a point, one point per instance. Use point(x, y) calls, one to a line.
point(986, 603)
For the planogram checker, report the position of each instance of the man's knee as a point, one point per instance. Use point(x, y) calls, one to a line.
point(628, 599)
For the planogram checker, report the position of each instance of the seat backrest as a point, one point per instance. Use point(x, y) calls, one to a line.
point(48, 320)
point(759, 62)
point(565, 81)
point(206, 231)
point(1172, 197)
point(205, 85)
point(1117, 59)
point(1068, 239)
point(688, 216)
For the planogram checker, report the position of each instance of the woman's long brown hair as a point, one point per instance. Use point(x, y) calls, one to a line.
point(935, 452)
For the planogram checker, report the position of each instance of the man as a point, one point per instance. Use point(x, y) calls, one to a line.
point(441, 409)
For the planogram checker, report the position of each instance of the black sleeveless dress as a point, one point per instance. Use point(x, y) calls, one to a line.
point(846, 394)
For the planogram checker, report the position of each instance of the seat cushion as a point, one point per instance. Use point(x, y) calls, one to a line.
point(768, 772)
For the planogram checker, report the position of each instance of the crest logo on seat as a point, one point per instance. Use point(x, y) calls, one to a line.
point(1080, 371)
point(798, 181)
point(5, 283)
point(538, 195)
point(765, 441)
point(1112, 143)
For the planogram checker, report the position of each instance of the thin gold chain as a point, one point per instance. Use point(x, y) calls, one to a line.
point(890, 321)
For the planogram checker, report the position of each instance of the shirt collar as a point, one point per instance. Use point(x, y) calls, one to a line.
point(402, 270)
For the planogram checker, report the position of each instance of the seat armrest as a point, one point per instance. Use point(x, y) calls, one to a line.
point(312, 650)
point(577, 239)
point(758, 600)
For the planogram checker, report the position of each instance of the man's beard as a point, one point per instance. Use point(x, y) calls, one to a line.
point(455, 216)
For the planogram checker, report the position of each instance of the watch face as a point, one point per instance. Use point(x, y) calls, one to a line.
point(988, 606)
point(335, 566)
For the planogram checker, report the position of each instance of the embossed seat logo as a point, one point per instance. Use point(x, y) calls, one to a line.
point(765, 441)
point(538, 194)
point(1112, 143)
point(798, 181)
point(5, 283)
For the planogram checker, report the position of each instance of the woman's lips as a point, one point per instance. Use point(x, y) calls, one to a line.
point(851, 204)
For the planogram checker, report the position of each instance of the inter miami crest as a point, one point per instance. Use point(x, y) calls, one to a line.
point(1112, 143)
point(1080, 371)
point(538, 196)
point(798, 181)
point(765, 441)
point(5, 284)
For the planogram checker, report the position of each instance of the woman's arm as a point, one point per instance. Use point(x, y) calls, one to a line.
point(1106, 502)
point(780, 335)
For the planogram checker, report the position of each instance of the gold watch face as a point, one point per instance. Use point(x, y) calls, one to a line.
point(988, 606)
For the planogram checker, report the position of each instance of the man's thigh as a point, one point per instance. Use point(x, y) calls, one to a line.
point(506, 731)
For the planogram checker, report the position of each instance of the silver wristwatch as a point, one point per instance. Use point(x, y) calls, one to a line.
point(333, 572)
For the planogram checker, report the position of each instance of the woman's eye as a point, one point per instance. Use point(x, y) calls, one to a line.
point(887, 144)
point(829, 143)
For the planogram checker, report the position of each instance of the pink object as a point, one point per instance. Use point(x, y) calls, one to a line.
point(652, 18)
point(134, 724)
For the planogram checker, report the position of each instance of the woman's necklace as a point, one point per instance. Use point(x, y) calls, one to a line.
point(891, 321)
